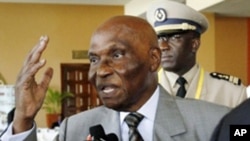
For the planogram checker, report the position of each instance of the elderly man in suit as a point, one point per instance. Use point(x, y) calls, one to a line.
point(179, 28)
point(124, 59)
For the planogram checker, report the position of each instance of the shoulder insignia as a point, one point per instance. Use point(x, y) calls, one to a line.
point(229, 78)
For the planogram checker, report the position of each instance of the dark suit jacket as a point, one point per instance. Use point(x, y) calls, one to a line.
point(176, 119)
point(240, 115)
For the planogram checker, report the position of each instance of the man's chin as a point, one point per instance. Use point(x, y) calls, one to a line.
point(167, 67)
point(116, 107)
point(111, 105)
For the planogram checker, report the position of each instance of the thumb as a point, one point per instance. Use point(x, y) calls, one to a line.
point(89, 138)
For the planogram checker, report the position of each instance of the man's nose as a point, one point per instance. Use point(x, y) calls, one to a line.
point(104, 69)
point(164, 45)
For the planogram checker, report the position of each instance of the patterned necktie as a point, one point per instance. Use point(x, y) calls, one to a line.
point(133, 119)
point(181, 91)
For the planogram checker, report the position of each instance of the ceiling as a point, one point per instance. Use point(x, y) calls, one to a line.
point(239, 8)
point(90, 2)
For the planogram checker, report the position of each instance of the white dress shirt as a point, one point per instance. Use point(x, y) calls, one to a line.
point(8, 135)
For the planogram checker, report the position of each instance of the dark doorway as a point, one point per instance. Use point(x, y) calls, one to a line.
point(74, 79)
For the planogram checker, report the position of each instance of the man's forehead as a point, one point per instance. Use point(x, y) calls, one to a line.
point(109, 46)
point(124, 24)
point(119, 35)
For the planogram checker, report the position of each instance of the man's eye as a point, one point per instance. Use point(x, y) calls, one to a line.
point(93, 59)
point(162, 38)
point(117, 55)
point(175, 37)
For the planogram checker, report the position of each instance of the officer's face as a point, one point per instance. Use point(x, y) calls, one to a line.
point(178, 51)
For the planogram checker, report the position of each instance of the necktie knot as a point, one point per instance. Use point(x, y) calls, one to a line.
point(133, 119)
point(181, 80)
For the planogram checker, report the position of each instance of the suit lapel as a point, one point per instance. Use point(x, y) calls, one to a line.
point(111, 116)
point(168, 121)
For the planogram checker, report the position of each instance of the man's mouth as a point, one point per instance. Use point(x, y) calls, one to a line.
point(166, 57)
point(108, 89)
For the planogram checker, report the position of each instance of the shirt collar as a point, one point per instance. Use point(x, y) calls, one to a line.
point(148, 109)
point(172, 77)
point(191, 73)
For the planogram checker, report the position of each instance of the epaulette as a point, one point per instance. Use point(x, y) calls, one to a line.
point(229, 78)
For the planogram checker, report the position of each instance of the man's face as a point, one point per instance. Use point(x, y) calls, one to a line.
point(118, 68)
point(178, 51)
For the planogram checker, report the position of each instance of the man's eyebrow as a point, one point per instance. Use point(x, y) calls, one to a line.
point(91, 54)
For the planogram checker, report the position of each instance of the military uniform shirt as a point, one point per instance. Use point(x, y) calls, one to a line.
point(212, 89)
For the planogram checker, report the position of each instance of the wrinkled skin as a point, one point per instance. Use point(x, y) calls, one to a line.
point(30, 94)
point(124, 58)
point(179, 52)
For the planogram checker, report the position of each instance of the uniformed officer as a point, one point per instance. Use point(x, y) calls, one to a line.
point(179, 28)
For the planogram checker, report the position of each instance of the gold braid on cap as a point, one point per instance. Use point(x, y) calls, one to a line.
point(182, 26)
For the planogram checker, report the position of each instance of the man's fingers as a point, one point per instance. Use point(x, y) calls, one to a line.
point(32, 70)
point(28, 73)
point(46, 79)
point(33, 63)
point(36, 52)
point(41, 47)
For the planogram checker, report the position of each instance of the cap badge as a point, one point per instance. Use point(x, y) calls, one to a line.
point(160, 15)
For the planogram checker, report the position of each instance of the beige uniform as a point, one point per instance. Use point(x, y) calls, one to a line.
point(212, 87)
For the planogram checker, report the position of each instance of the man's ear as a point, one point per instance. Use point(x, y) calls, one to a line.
point(195, 44)
point(155, 58)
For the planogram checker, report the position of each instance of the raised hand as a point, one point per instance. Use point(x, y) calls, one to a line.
point(30, 94)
